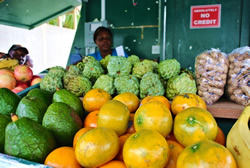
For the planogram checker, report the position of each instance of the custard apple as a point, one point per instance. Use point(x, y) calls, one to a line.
point(51, 83)
point(57, 71)
point(92, 70)
point(151, 85)
point(79, 85)
point(118, 65)
point(169, 68)
point(72, 72)
point(127, 83)
point(104, 62)
point(106, 83)
point(133, 59)
point(141, 68)
point(182, 83)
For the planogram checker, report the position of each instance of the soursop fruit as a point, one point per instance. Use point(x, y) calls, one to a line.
point(92, 70)
point(51, 82)
point(141, 68)
point(169, 68)
point(118, 66)
point(133, 59)
point(104, 62)
point(72, 72)
point(151, 85)
point(106, 83)
point(57, 71)
point(79, 85)
point(127, 83)
point(182, 83)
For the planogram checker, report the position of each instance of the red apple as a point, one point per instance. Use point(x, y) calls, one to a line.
point(6, 72)
point(17, 89)
point(23, 73)
point(22, 84)
point(7, 81)
point(36, 79)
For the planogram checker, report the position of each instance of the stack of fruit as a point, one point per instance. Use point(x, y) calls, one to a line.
point(18, 79)
point(101, 130)
point(117, 75)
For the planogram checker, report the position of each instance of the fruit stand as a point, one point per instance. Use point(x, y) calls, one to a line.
point(169, 56)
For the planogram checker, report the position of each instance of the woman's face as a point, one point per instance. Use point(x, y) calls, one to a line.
point(104, 41)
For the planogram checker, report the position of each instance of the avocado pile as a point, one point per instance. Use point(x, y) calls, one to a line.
point(116, 75)
point(32, 126)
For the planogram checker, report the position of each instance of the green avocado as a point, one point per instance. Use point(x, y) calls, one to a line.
point(70, 99)
point(4, 120)
point(44, 95)
point(29, 140)
point(63, 122)
point(31, 107)
point(8, 101)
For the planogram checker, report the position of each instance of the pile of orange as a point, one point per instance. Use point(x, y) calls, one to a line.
point(153, 125)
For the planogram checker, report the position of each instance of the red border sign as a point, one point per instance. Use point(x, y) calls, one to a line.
point(205, 16)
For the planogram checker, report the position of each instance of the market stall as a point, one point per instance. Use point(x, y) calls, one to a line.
point(175, 49)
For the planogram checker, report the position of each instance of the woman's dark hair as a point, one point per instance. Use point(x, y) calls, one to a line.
point(101, 29)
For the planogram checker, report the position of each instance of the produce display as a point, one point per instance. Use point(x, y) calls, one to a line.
point(96, 114)
point(211, 69)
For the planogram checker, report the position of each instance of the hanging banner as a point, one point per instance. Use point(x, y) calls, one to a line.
point(205, 16)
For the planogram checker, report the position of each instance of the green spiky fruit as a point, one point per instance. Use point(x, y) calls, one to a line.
point(128, 83)
point(169, 68)
point(141, 68)
point(118, 66)
point(151, 85)
point(106, 83)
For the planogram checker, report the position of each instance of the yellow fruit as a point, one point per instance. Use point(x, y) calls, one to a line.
point(113, 164)
point(153, 115)
point(129, 99)
point(62, 157)
point(159, 98)
point(115, 115)
point(94, 99)
point(146, 148)
point(96, 147)
point(206, 153)
point(194, 124)
point(186, 100)
point(175, 150)
point(79, 134)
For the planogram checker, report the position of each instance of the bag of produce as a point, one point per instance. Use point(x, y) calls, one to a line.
point(211, 69)
point(237, 87)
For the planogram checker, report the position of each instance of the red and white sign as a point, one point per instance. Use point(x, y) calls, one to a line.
point(206, 16)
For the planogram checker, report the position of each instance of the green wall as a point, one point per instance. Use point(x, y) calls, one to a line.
point(137, 27)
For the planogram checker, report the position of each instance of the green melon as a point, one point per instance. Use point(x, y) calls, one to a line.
point(8, 101)
point(70, 99)
point(63, 122)
point(31, 107)
point(4, 120)
point(29, 140)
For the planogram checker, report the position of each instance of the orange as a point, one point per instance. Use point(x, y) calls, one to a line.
point(186, 100)
point(162, 99)
point(115, 115)
point(113, 164)
point(206, 153)
point(122, 140)
point(153, 115)
point(131, 126)
point(194, 124)
point(91, 119)
point(94, 99)
point(96, 147)
point(220, 138)
point(175, 150)
point(62, 157)
point(146, 148)
point(129, 99)
point(79, 134)
point(171, 136)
